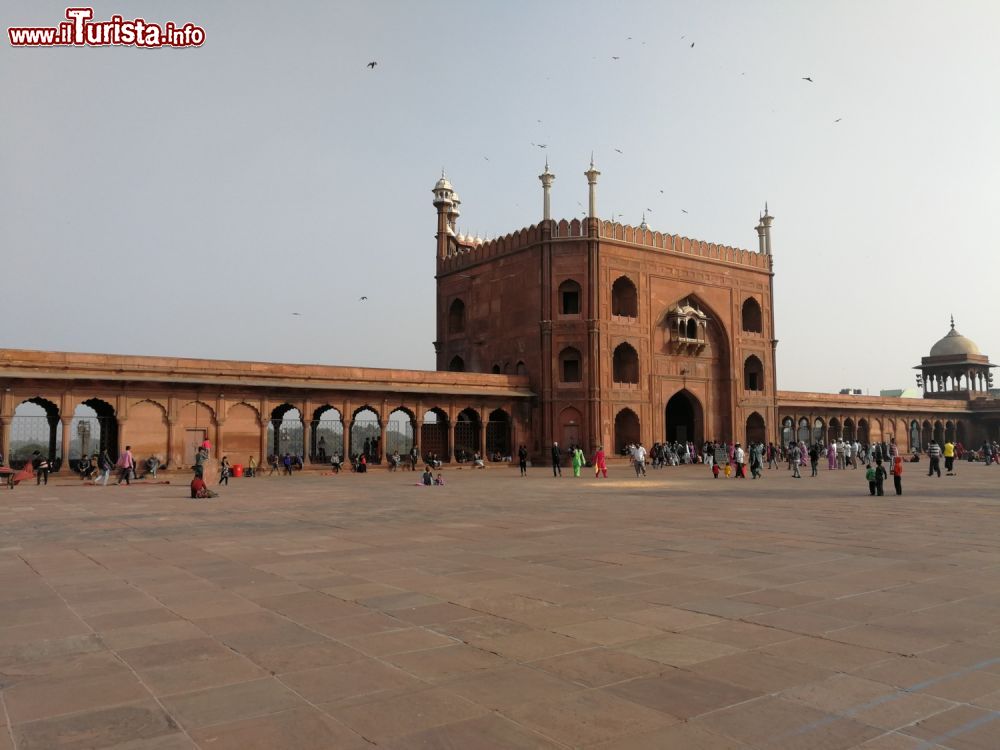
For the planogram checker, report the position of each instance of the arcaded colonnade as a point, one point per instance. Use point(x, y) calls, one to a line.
point(910, 422)
point(68, 405)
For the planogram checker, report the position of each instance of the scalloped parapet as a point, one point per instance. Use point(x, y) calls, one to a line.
point(475, 252)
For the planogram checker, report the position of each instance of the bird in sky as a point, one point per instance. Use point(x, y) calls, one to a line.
point(628, 37)
point(661, 192)
point(683, 211)
point(540, 145)
point(372, 64)
point(692, 45)
point(299, 314)
point(650, 210)
point(615, 57)
point(807, 78)
point(487, 158)
point(618, 150)
point(838, 119)
point(362, 299)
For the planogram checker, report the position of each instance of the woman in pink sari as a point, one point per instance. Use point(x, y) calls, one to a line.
point(831, 455)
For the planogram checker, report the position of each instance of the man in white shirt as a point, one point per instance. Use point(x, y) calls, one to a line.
point(639, 460)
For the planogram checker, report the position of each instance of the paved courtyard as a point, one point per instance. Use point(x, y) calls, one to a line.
point(363, 611)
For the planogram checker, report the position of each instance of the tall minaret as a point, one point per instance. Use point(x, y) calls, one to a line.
point(760, 234)
point(444, 203)
point(547, 178)
point(592, 174)
point(766, 220)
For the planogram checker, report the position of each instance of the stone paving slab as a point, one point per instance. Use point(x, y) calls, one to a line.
point(354, 611)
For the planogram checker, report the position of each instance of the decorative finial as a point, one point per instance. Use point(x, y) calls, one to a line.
point(953, 322)
point(591, 159)
point(546, 164)
point(442, 172)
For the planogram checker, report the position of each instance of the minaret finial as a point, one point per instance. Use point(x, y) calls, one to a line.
point(953, 322)
point(546, 163)
point(591, 159)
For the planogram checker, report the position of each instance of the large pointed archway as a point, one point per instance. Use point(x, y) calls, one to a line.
point(684, 418)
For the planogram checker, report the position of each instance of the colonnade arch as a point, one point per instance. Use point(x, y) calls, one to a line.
point(907, 432)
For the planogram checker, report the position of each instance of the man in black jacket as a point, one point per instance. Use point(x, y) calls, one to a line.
point(556, 461)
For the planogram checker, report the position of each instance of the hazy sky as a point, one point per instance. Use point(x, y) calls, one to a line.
point(185, 202)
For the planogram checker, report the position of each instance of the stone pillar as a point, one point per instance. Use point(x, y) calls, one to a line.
point(173, 455)
point(482, 434)
point(264, 449)
point(66, 437)
point(306, 440)
point(5, 425)
point(218, 439)
point(122, 436)
point(547, 178)
point(453, 426)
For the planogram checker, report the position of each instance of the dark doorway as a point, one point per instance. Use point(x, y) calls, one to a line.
point(756, 431)
point(682, 411)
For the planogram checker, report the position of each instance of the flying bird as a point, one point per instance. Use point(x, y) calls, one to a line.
point(650, 210)
point(807, 78)
point(487, 158)
point(615, 57)
point(661, 192)
point(540, 145)
point(683, 211)
point(838, 119)
point(618, 150)
point(692, 45)
point(362, 299)
point(372, 64)
point(299, 314)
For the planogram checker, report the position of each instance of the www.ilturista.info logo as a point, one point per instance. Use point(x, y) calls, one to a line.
point(79, 30)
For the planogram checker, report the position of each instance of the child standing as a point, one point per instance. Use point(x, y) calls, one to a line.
point(870, 476)
point(729, 470)
point(715, 469)
point(897, 474)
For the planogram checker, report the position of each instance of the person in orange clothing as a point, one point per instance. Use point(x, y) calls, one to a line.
point(600, 462)
point(897, 474)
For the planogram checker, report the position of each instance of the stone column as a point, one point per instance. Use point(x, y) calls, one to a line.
point(122, 436)
point(66, 437)
point(5, 425)
point(218, 438)
point(306, 439)
point(452, 427)
point(173, 457)
point(482, 434)
point(264, 450)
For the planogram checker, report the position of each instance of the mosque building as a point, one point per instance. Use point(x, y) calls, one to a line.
point(583, 332)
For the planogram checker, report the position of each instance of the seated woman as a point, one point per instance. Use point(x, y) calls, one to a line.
point(477, 462)
point(428, 478)
point(199, 490)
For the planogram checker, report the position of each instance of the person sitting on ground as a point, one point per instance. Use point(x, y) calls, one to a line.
point(199, 490)
point(335, 463)
point(477, 462)
point(428, 478)
point(363, 464)
point(393, 461)
point(152, 464)
point(439, 481)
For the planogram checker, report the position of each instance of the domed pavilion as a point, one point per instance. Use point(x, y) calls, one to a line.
point(955, 369)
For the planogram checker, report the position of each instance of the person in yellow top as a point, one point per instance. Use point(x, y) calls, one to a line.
point(252, 467)
point(949, 458)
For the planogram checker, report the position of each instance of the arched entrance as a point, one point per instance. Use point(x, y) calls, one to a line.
point(327, 434)
point(756, 430)
point(434, 435)
point(467, 435)
point(787, 431)
point(626, 430)
point(366, 434)
point(683, 418)
point(93, 429)
point(35, 427)
point(284, 431)
point(399, 435)
point(498, 435)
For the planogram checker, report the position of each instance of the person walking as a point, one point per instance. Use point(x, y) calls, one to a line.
point(934, 454)
point(522, 460)
point(287, 463)
point(740, 458)
point(125, 463)
point(639, 460)
point(556, 460)
point(795, 454)
point(578, 460)
point(870, 478)
point(897, 474)
point(949, 458)
point(252, 468)
point(224, 471)
point(814, 460)
point(600, 463)
point(42, 470)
